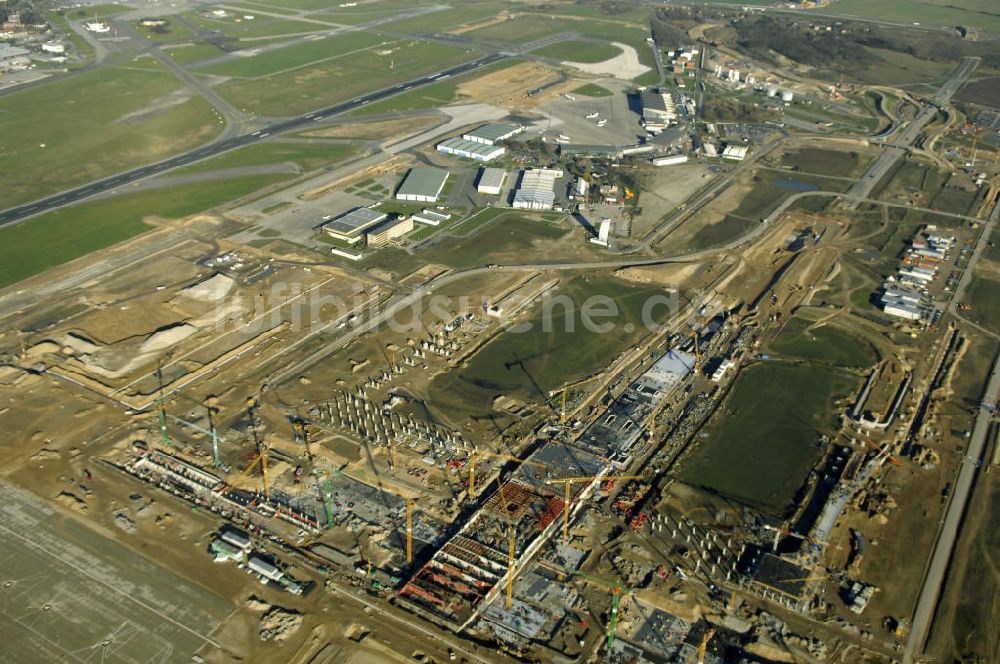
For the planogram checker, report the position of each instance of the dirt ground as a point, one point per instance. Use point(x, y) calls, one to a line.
point(376, 130)
point(508, 87)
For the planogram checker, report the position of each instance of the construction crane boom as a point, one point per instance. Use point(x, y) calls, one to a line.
point(480, 454)
point(409, 530)
point(568, 481)
point(564, 391)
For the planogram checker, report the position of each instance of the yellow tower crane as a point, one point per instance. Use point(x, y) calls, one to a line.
point(703, 646)
point(261, 449)
point(564, 391)
point(568, 481)
point(261, 458)
point(409, 530)
point(409, 522)
point(511, 542)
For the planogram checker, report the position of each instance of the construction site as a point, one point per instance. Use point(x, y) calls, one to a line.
point(618, 407)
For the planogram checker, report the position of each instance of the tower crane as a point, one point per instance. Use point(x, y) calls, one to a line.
point(564, 391)
point(261, 449)
point(617, 595)
point(703, 646)
point(697, 351)
point(261, 458)
point(568, 481)
point(511, 542)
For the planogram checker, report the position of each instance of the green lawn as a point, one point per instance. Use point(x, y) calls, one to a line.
point(498, 242)
point(259, 28)
point(593, 90)
point(578, 51)
point(827, 343)
point(552, 353)
point(186, 54)
point(761, 444)
point(457, 15)
point(472, 223)
point(292, 57)
point(311, 87)
point(976, 15)
point(57, 237)
point(173, 31)
point(524, 28)
point(82, 122)
point(839, 163)
point(308, 157)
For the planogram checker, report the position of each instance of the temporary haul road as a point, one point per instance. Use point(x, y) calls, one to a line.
point(16, 214)
point(944, 547)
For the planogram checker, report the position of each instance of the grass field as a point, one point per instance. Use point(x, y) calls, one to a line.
point(84, 125)
point(961, 631)
point(593, 90)
point(524, 28)
point(762, 443)
point(458, 14)
point(307, 156)
point(984, 295)
point(433, 95)
point(504, 240)
point(838, 163)
point(96, 11)
point(173, 31)
point(260, 28)
point(562, 351)
point(57, 237)
point(311, 87)
point(713, 235)
point(827, 344)
point(578, 51)
point(292, 57)
point(981, 14)
point(473, 223)
point(196, 52)
point(888, 67)
point(985, 92)
point(360, 13)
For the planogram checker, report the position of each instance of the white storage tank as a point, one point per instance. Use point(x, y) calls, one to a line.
point(787, 96)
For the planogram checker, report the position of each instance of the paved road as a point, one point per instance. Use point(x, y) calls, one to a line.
point(934, 579)
point(16, 214)
point(904, 139)
point(405, 302)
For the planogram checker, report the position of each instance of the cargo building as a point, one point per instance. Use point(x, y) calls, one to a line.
point(422, 184)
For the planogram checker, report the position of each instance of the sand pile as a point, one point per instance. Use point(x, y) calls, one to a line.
point(166, 337)
point(212, 289)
